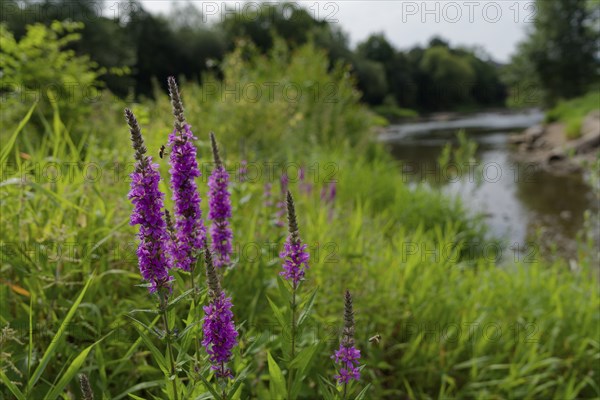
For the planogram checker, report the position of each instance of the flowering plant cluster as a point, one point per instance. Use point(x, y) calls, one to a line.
point(169, 244)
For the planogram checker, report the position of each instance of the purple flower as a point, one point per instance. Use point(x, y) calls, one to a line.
point(329, 192)
point(148, 204)
point(243, 171)
point(220, 335)
point(189, 226)
point(268, 202)
point(219, 209)
point(294, 254)
point(347, 355)
point(347, 358)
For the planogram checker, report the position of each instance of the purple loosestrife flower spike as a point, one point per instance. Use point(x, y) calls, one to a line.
point(294, 254)
point(347, 355)
point(219, 208)
point(189, 226)
point(148, 204)
point(220, 335)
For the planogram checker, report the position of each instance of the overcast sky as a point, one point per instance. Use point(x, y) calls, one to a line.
point(497, 26)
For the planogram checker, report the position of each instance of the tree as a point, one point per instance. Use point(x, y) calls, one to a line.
point(451, 78)
point(563, 48)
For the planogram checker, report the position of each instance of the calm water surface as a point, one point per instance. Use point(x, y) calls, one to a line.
point(522, 204)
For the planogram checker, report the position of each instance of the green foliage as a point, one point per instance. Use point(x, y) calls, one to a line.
point(451, 77)
point(403, 249)
point(563, 43)
point(40, 68)
point(572, 112)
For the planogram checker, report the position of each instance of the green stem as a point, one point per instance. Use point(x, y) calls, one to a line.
point(345, 390)
point(224, 395)
point(169, 347)
point(195, 302)
point(293, 349)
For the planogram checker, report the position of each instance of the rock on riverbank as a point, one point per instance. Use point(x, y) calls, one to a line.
point(548, 145)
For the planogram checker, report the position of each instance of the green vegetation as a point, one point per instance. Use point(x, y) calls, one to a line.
point(563, 42)
point(452, 323)
point(572, 112)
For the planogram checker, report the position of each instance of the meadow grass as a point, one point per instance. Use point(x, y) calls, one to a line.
point(452, 323)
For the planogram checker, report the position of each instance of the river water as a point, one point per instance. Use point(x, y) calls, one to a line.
point(526, 207)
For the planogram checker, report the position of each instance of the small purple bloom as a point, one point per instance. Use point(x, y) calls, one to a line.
point(347, 358)
point(328, 193)
point(347, 355)
point(294, 254)
point(243, 171)
point(148, 204)
point(267, 195)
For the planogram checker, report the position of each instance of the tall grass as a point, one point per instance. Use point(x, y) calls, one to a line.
point(572, 112)
point(452, 323)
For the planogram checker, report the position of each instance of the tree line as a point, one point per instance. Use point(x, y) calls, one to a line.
point(150, 47)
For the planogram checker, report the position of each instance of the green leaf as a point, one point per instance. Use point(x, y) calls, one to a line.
point(140, 386)
point(363, 393)
point(126, 360)
point(325, 389)
point(49, 354)
point(11, 386)
point(158, 356)
point(71, 371)
point(209, 387)
point(308, 305)
point(277, 387)
point(301, 363)
point(239, 379)
point(8, 146)
point(302, 360)
point(154, 331)
point(284, 289)
point(179, 298)
point(279, 316)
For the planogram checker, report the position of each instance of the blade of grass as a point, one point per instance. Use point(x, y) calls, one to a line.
point(56, 340)
point(11, 386)
point(72, 370)
point(13, 138)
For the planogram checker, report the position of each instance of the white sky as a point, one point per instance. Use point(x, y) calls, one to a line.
point(497, 26)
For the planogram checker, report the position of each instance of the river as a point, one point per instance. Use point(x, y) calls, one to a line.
point(529, 209)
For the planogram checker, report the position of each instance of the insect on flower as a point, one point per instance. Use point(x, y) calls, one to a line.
point(163, 151)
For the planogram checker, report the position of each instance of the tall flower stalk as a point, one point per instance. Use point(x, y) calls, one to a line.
point(153, 235)
point(189, 226)
point(219, 209)
point(347, 355)
point(295, 262)
point(147, 212)
point(188, 233)
point(220, 335)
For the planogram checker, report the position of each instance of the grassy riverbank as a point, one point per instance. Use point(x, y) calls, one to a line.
point(452, 323)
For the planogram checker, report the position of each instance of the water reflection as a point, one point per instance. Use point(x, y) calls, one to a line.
point(522, 203)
